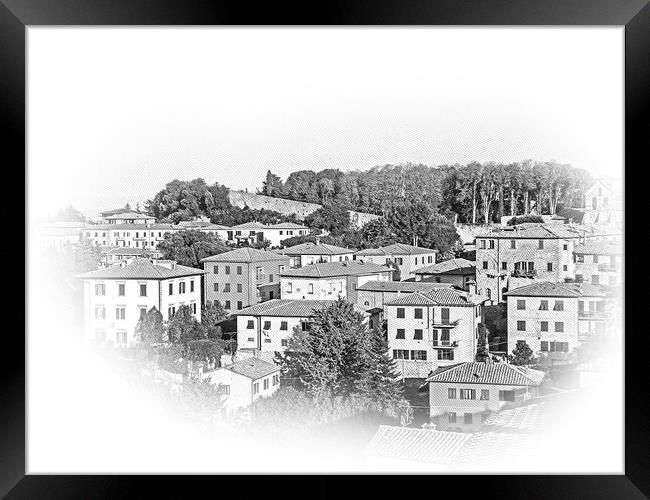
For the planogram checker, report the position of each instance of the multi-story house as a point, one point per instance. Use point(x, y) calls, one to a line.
point(257, 232)
point(553, 318)
point(406, 258)
point(330, 280)
point(116, 297)
point(598, 262)
point(433, 328)
point(306, 254)
point(458, 272)
point(129, 218)
point(236, 278)
point(244, 382)
point(265, 328)
point(60, 235)
point(117, 255)
point(224, 233)
point(127, 235)
point(463, 394)
point(507, 258)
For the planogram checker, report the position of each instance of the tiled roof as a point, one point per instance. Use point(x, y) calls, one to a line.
point(250, 225)
point(498, 451)
point(401, 286)
point(600, 248)
point(522, 418)
point(253, 368)
point(487, 373)
point(396, 249)
point(451, 266)
point(553, 289)
point(439, 296)
point(132, 227)
point(332, 269)
point(421, 445)
point(106, 213)
point(285, 307)
point(311, 248)
point(129, 216)
point(286, 225)
point(130, 251)
point(246, 254)
point(141, 269)
point(533, 231)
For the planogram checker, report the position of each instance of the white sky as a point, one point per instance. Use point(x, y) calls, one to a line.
point(115, 113)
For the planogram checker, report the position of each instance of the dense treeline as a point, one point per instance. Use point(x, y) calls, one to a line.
point(476, 192)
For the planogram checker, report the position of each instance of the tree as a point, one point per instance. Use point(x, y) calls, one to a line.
point(272, 186)
point(483, 349)
point(188, 247)
point(69, 214)
point(522, 354)
point(331, 218)
point(204, 351)
point(524, 219)
point(184, 327)
point(211, 315)
point(150, 328)
point(377, 233)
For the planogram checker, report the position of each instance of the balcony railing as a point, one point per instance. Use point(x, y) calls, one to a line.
point(442, 324)
point(593, 314)
point(613, 268)
point(445, 343)
point(522, 273)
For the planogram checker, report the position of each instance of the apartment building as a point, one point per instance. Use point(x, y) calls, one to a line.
point(116, 297)
point(458, 272)
point(375, 293)
point(244, 382)
point(127, 235)
point(129, 218)
point(507, 258)
point(599, 262)
point(331, 280)
point(116, 255)
point(265, 328)
point(235, 278)
point(553, 318)
point(306, 254)
point(257, 232)
point(224, 233)
point(406, 258)
point(427, 329)
point(461, 395)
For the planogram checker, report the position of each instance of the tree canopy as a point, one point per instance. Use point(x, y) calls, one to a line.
point(190, 246)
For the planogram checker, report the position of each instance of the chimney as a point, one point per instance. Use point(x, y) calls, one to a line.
point(471, 287)
point(318, 240)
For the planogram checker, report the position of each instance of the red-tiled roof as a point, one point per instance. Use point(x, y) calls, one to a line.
point(553, 289)
point(396, 249)
point(246, 254)
point(285, 307)
point(333, 269)
point(439, 296)
point(142, 269)
point(253, 368)
point(451, 266)
point(486, 373)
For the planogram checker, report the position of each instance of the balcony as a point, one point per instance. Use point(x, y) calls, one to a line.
point(609, 268)
point(444, 344)
point(593, 314)
point(523, 273)
point(442, 324)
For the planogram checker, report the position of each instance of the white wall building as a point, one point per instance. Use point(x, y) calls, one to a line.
point(407, 258)
point(127, 235)
point(275, 233)
point(599, 262)
point(129, 218)
point(306, 254)
point(117, 296)
point(434, 328)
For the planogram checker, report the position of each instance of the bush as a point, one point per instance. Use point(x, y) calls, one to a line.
point(525, 218)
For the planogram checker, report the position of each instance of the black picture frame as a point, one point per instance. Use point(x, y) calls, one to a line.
point(16, 15)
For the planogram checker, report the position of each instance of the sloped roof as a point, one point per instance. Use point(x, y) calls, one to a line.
point(131, 251)
point(554, 289)
point(253, 368)
point(533, 231)
point(141, 269)
point(285, 307)
point(310, 248)
point(600, 248)
point(333, 269)
point(133, 227)
point(486, 373)
point(286, 225)
point(451, 266)
point(128, 215)
point(401, 286)
point(246, 254)
point(494, 451)
point(439, 296)
point(396, 249)
point(522, 418)
point(421, 445)
point(250, 225)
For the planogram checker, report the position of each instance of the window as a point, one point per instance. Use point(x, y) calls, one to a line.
point(239, 288)
point(400, 312)
point(506, 395)
point(283, 325)
point(451, 393)
point(120, 312)
point(541, 244)
point(100, 312)
point(215, 269)
point(120, 337)
point(521, 326)
point(171, 289)
point(451, 417)
point(580, 258)
point(467, 419)
point(521, 304)
point(310, 288)
point(143, 290)
point(544, 345)
point(559, 305)
point(240, 304)
point(304, 325)
point(565, 267)
point(543, 305)
point(595, 259)
point(549, 266)
point(419, 355)
point(276, 379)
point(485, 264)
point(444, 336)
point(266, 384)
point(544, 326)
point(565, 247)
point(226, 389)
point(193, 307)
point(227, 269)
point(100, 289)
point(482, 244)
point(270, 278)
point(121, 289)
point(227, 304)
point(192, 286)
point(181, 287)
point(226, 287)
point(504, 265)
point(267, 325)
point(417, 335)
point(216, 287)
point(513, 244)
point(284, 342)
point(468, 394)
point(445, 354)
point(418, 313)
point(444, 313)
point(595, 280)
point(559, 326)
point(289, 287)
point(238, 269)
point(434, 337)
point(485, 394)
point(400, 354)
point(491, 244)
point(256, 388)
point(400, 333)
point(251, 339)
